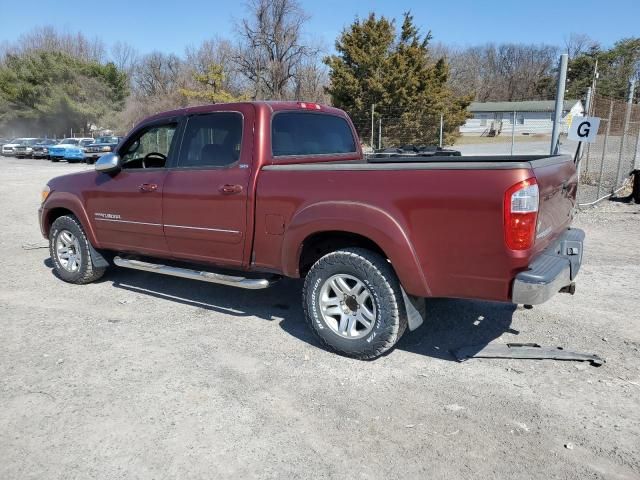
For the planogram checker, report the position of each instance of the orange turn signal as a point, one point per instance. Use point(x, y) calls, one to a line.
point(44, 194)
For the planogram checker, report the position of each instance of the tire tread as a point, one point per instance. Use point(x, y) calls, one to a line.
point(91, 273)
point(358, 257)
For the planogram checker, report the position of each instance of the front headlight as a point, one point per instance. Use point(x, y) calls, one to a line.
point(45, 193)
point(45, 150)
point(106, 148)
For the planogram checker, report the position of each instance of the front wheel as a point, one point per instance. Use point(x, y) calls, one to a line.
point(71, 252)
point(353, 303)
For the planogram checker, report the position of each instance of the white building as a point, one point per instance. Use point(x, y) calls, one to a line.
point(531, 117)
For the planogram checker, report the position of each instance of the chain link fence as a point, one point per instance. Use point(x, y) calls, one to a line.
point(492, 128)
point(381, 128)
point(607, 163)
point(515, 128)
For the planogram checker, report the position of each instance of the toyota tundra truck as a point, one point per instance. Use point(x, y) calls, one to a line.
point(244, 194)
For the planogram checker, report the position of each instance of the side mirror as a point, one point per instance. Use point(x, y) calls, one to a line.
point(109, 162)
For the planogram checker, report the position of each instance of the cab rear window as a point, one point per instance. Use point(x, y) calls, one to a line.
point(307, 133)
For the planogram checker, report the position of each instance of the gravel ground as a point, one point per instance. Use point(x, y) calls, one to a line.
point(144, 376)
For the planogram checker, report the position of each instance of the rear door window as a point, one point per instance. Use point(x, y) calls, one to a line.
point(211, 140)
point(306, 133)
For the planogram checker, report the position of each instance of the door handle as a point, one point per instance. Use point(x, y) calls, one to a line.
point(230, 189)
point(148, 187)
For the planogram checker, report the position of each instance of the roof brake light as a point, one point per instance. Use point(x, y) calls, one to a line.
point(309, 106)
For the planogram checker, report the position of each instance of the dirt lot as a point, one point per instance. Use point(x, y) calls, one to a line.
point(143, 376)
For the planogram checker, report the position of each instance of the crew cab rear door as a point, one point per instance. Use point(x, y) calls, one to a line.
point(205, 194)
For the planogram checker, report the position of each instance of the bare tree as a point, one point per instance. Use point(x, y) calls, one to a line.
point(578, 43)
point(48, 38)
point(503, 72)
point(271, 49)
point(124, 56)
point(219, 52)
point(310, 82)
point(157, 74)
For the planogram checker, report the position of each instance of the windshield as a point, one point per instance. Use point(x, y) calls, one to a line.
point(69, 141)
point(87, 141)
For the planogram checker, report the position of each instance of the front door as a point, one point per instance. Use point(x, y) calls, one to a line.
point(205, 195)
point(126, 207)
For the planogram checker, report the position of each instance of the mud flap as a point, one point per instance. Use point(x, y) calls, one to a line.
point(413, 305)
point(96, 258)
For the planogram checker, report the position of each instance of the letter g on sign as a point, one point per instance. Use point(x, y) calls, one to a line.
point(584, 129)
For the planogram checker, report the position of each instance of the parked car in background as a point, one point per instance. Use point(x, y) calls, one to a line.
point(8, 148)
point(69, 149)
point(25, 149)
point(100, 146)
point(41, 149)
point(3, 141)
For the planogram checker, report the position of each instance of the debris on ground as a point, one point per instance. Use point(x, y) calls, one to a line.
point(524, 351)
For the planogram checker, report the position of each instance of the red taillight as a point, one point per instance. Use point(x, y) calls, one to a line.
point(309, 106)
point(521, 203)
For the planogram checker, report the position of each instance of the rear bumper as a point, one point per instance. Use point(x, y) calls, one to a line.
point(551, 271)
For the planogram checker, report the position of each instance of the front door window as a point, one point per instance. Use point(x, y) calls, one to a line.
point(150, 149)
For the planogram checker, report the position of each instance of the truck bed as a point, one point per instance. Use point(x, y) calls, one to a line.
point(448, 208)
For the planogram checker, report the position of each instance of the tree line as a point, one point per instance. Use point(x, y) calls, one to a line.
point(53, 81)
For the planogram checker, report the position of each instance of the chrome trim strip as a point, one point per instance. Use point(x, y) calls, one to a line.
point(126, 221)
point(203, 228)
point(161, 225)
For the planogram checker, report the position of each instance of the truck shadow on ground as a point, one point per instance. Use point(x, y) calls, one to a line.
point(450, 323)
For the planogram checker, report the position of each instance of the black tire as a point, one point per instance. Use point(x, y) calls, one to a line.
point(376, 274)
point(86, 271)
point(55, 160)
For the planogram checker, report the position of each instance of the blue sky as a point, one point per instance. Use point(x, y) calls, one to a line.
point(169, 26)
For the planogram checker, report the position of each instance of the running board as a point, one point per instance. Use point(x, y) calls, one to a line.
point(241, 282)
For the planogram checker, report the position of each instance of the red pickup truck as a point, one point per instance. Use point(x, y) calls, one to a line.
point(270, 189)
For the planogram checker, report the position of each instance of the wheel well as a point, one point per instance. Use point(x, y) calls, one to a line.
point(318, 245)
point(56, 213)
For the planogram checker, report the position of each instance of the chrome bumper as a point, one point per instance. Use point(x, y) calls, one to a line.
point(553, 270)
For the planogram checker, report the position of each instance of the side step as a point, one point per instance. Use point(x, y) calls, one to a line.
point(241, 282)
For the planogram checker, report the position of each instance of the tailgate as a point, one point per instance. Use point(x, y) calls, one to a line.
point(557, 182)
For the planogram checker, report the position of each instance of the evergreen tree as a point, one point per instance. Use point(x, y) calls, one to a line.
point(376, 65)
point(616, 66)
point(46, 91)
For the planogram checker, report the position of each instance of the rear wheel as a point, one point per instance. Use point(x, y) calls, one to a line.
point(71, 252)
point(353, 303)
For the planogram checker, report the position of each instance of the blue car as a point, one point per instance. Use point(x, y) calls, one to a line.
point(69, 149)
